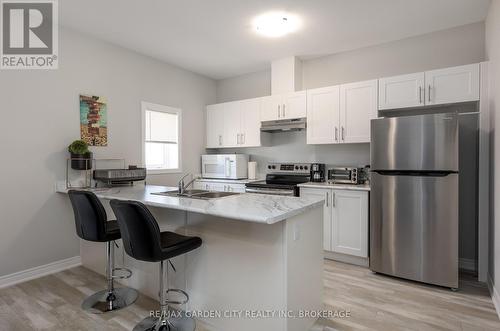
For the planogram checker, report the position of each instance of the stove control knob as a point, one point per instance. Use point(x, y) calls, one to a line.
point(274, 167)
point(305, 167)
point(301, 167)
point(296, 167)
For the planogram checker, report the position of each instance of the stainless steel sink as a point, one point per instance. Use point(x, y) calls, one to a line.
point(196, 194)
point(213, 195)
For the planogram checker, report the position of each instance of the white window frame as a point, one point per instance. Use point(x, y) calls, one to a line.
point(165, 109)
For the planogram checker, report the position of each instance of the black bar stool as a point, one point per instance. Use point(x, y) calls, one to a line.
point(92, 225)
point(143, 241)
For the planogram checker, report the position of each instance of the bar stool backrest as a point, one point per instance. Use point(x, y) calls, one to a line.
point(90, 216)
point(139, 229)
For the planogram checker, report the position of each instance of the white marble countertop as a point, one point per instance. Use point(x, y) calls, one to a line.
point(259, 208)
point(363, 187)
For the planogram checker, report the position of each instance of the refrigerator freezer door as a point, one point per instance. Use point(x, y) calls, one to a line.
point(425, 142)
point(414, 227)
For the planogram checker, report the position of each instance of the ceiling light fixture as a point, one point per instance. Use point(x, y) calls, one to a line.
point(276, 24)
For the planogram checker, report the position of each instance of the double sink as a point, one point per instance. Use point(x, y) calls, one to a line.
point(197, 194)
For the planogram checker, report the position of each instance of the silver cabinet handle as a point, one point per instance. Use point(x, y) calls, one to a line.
point(430, 92)
point(420, 94)
point(220, 140)
point(279, 111)
point(333, 199)
point(237, 139)
point(343, 136)
point(284, 110)
point(243, 138)
point(336, 134)
point(327, 199)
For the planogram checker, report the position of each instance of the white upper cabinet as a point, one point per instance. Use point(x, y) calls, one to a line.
point(436, 87)
point(215, 126)
point(402, 91)
point(234, 124)
point(250, 123)
point(270, 109)
point(450, 85)
point(284, 106)
point(358, 106)
point(323, 115)
point(294, 105)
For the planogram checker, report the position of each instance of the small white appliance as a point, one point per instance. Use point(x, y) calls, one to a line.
point(228, 166)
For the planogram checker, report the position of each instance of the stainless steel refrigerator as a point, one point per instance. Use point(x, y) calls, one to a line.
point(414, 198)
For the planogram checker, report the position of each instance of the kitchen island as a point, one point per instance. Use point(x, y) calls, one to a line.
point(259, 268)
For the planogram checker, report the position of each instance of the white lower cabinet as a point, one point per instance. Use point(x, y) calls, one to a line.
point(350, 222)
point(345, 220)
point(218, 186)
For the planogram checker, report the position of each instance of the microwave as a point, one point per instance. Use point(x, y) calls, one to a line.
point(228, 166)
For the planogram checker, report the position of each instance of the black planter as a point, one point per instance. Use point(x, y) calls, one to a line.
point(81, 161)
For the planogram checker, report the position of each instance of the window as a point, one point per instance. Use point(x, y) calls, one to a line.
point(161, 138)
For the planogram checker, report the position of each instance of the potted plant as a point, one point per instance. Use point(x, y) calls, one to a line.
point(81, 157)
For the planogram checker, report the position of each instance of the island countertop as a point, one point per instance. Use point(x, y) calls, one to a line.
point(258, 208)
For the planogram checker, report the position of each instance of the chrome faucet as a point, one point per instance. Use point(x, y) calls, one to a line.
point(182, 187)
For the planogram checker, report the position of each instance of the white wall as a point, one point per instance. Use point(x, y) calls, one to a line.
point(40, 117)
point(457, 46)
point(493, 55)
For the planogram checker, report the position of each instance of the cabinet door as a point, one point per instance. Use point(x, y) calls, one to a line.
point(358, 106)
point(215, 126)
point(327, 212)
point(218, 187)
point(250, 123)
point(457, 84)
point(401, 91)
point(270, 109)
point(323, 106)
point(350, 222)
point(294, 105)
point(239, 188)
point(232, 124)
point(201, 185)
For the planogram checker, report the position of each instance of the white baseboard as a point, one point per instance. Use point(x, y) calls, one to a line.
point(359, 261)
point(40, 271)
point(495, 296)
point(467, 264)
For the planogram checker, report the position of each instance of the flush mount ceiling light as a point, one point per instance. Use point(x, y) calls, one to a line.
point(276, 24)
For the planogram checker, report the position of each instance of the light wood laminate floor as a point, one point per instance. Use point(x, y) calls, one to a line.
point(375, 302)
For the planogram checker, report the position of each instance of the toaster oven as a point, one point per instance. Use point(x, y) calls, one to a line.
point(346, 175)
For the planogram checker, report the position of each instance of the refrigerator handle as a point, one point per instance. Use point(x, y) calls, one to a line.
point(415, 173)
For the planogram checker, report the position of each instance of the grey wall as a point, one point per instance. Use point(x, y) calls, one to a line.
point(447, 48)
point(252, 85)
point(493, 55)
point(457, 46)
point(41, 117)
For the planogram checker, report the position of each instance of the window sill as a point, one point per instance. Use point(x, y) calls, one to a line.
point(163, 171)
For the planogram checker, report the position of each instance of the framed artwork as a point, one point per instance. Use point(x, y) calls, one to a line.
point(94, 120)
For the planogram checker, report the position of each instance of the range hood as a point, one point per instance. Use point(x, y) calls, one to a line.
point(295, 124)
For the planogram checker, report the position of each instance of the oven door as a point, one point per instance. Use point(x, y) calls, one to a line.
point(272, 191)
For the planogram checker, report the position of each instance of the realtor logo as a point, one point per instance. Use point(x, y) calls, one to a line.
point(29, 34)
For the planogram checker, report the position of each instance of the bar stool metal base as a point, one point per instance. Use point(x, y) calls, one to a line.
point(176, 321)
point(102, 302)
